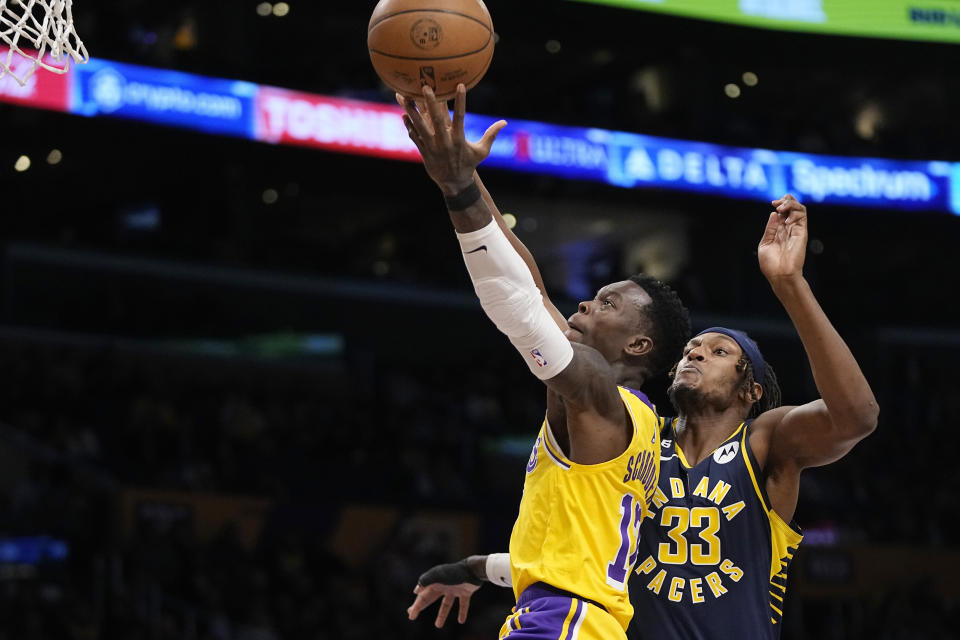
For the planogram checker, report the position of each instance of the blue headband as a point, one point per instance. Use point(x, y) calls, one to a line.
point(749, 347)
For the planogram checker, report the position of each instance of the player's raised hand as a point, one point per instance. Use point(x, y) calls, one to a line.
point(452, 582)
point(449, 158)
point(783, 246)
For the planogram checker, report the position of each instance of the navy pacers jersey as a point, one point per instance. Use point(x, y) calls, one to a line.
point(713, 555)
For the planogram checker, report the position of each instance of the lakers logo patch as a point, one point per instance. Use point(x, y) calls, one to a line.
point(532, 462)
point(726, 453)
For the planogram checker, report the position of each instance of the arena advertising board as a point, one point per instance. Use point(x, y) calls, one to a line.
point(335, 124)
point(273, 115)
point(105, 88)
point(41, 90)
point(937, 20)
point(633, 160)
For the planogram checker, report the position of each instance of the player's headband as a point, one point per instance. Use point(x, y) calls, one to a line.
point(749, 347)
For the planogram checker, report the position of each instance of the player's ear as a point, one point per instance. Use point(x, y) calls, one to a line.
point(639, 345)
point(753, 394)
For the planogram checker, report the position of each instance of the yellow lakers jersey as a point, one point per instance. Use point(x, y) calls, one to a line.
point(578, 525)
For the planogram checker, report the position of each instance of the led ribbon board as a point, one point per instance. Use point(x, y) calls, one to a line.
point(102, 88)
point(937, 20)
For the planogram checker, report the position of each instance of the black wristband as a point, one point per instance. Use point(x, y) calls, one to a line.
point(450, 574)
point(463, 199)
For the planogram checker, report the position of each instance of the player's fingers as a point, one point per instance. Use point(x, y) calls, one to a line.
point(422, 109)
point(408, 123)
point(784, 198)
point(445, 605)
point(415, 118)
point(463, 608)
point(788, 203)
point(792, 211)
point(437, 110)
point(770, 231)
point(797, 218)
point(445, 113)
point(412, 132)
point(486, 142)
point(425, 598)
point(459, 110)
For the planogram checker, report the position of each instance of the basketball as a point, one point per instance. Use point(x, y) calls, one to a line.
point(439, 43)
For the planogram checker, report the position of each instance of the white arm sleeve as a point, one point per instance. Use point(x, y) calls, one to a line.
point(512, 300)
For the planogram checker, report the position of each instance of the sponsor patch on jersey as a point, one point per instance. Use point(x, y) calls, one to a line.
point(726, 453)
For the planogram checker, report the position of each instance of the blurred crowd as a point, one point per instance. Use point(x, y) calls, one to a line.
point(81, 424)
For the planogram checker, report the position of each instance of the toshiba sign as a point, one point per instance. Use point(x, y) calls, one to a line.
point(290, 117)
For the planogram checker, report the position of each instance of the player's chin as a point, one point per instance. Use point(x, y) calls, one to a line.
point(573, 335)
point(681, 383)
point(684, 395)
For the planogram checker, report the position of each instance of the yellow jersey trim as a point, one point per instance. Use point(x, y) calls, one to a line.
point(782, 535)
point(753, 476)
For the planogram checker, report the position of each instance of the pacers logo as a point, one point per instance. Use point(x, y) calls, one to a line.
point(726, 453)
point(426, 34)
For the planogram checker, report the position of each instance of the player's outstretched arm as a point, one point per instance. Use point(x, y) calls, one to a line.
point(447, 122)
point(503, 281)
point(823, 431)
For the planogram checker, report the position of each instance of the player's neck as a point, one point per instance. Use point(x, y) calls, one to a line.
point(702, 431)
point(628, 377)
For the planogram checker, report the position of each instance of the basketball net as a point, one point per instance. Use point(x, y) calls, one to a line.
point(38, 32)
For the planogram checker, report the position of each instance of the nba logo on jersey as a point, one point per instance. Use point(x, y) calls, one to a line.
point(541, 361)
point(726, 453)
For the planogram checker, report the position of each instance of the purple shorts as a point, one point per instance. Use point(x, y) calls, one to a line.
point(543, 614)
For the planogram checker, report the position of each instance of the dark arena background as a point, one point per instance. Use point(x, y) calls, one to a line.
point(247, 392)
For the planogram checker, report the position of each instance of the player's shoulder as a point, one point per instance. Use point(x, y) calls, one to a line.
point(768, 420)
point(636, 395)
point(762, 430)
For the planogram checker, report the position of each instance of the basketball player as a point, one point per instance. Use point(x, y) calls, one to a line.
point(593, 469)
point(715, 550)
